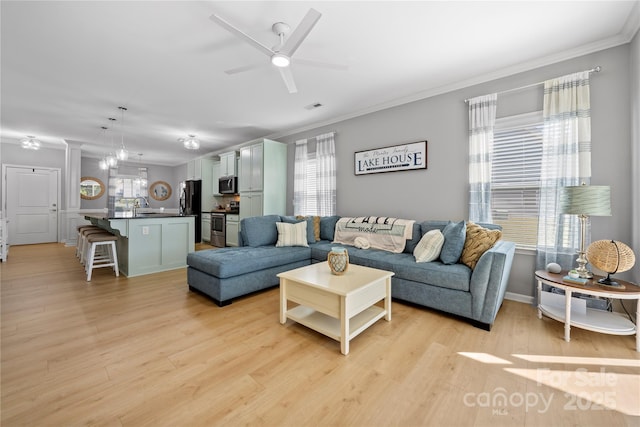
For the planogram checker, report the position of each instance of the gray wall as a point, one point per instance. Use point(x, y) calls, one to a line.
point(14, 154)
point(154, 173)
point(635, 147)
point(441, 191)
point(89, 167)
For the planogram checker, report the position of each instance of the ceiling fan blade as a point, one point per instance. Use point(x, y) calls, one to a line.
point(301, 32)
point(319, 64)
point(287, 76)
point(244, 68)
point(253, 42)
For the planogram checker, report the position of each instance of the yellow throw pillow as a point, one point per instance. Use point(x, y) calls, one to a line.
point(316, 225)
point(478, 241)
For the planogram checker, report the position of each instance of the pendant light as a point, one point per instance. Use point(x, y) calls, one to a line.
point(111, 158)
point(102, 164)
point(122, 153)
point(139, 180)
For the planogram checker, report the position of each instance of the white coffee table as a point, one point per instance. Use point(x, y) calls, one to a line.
point(340, 307)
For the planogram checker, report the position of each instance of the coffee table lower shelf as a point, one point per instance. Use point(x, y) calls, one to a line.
point(330, 326)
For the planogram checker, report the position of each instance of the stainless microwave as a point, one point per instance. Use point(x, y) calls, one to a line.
point(228, 185)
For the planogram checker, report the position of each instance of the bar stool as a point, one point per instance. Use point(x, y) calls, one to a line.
point(79, 242)
point(95, 259)
point(84, 246)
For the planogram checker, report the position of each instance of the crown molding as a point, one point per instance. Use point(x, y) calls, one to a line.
point(630, 29)
point(632, 24)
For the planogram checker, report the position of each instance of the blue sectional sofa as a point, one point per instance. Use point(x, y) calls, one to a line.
point(475, 294)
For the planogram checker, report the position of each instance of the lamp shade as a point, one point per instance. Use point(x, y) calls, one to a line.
point(592, 200)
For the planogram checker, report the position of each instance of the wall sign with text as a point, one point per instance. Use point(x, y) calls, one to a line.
point(391, 159)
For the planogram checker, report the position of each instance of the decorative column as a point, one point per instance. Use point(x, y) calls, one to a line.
point(69, 217)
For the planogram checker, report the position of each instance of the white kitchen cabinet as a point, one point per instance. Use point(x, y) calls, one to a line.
point(215, 177)
point(228, 164)
point(251, 168)
point(263, 179)
point(206, 175)
point(233, 227)
point(206, 227)
point(202, 169)
point(251, 204)
point(194, 169)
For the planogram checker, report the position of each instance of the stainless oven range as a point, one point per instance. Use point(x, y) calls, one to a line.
point(218, 230)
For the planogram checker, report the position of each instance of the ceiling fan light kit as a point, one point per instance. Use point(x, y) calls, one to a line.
point(280, 60)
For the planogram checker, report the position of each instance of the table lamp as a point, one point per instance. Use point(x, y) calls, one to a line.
point(584, 201)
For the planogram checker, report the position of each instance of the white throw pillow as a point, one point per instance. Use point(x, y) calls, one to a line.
point(292, 234)
point(428, 249)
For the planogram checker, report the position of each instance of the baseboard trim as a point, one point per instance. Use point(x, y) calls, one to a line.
point(512, 296)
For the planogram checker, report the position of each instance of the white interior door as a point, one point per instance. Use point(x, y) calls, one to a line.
point(32, 205)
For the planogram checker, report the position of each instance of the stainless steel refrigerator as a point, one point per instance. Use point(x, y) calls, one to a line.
point(190, 204)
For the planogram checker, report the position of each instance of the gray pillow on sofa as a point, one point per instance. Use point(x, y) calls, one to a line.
point(328, 227)
point(455, 234)
point(259, 230)
point(416, 235)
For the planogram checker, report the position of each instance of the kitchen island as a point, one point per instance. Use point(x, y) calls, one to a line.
point(149, 242)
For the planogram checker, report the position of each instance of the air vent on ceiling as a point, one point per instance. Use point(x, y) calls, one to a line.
point(313, 106)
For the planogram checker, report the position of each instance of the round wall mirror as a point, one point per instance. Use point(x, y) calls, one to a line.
point(91, 188)
point(160, 190)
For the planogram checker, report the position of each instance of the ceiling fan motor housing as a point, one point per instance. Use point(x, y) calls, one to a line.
point(280, 29)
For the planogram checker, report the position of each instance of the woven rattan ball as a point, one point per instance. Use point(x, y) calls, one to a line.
point(610, 256)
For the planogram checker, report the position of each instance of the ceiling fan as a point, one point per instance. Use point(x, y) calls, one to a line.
point(281, 54)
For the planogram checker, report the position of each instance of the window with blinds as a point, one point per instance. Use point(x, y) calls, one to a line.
point(311, 207)
point(515, 177)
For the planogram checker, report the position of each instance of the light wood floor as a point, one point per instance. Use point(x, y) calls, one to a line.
point(146, 351)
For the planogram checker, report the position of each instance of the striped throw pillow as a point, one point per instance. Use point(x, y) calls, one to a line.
point(292, 234)
point(428, 249)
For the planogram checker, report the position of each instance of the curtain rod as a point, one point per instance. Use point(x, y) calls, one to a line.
point(304, 140)
point(596, 69)
point(324, 133)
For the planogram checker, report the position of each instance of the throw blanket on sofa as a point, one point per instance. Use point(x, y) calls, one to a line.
point(381, 232)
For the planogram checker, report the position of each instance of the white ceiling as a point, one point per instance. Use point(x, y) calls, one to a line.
point(68, 65)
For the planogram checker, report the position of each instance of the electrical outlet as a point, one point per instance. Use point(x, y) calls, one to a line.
point(145, 231)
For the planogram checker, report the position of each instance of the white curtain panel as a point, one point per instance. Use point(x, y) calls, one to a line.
point(300, 178)
point(566, 161)
point(326, 174)
point(482, 120)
